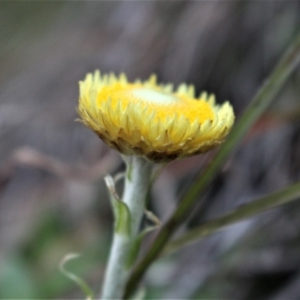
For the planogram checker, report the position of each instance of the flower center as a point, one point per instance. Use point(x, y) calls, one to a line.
point(153, 96)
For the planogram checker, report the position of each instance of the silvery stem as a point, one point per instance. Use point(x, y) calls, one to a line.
point(137, 182)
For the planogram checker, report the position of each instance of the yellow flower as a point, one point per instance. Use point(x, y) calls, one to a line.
point(150, 119)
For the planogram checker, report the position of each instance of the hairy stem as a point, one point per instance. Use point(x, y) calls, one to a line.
point(138, 177)
point(137, 182)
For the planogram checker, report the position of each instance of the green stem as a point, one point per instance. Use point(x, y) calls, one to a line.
point(137, 182)
point(116, 271)
point(138, 178)
point(257, 106)
point(248, 210)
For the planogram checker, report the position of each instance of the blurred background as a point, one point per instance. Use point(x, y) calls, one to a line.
point(52, 197)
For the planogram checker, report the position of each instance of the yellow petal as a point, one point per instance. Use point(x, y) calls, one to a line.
point(149, 119)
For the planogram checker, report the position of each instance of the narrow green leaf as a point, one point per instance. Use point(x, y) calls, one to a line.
point(80, 282)
point(120, 209)
point(243, 212)
point(136, 244)
point(140, 294)
point(122, 224)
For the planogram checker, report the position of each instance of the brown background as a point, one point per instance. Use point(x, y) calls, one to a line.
point(53, 200)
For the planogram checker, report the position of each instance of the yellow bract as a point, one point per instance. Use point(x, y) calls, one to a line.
point(150, 119)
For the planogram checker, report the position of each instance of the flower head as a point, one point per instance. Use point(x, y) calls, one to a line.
point(152, 120)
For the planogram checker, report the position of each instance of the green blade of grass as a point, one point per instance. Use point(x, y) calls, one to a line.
point(248, 210)
point(76, 279)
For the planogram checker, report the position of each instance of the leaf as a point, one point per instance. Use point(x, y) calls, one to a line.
point(120, 209)
point(80, 282)
point(140, 294)
point(138, 240)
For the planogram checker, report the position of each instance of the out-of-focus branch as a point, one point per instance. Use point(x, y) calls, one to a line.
point(26, 156)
